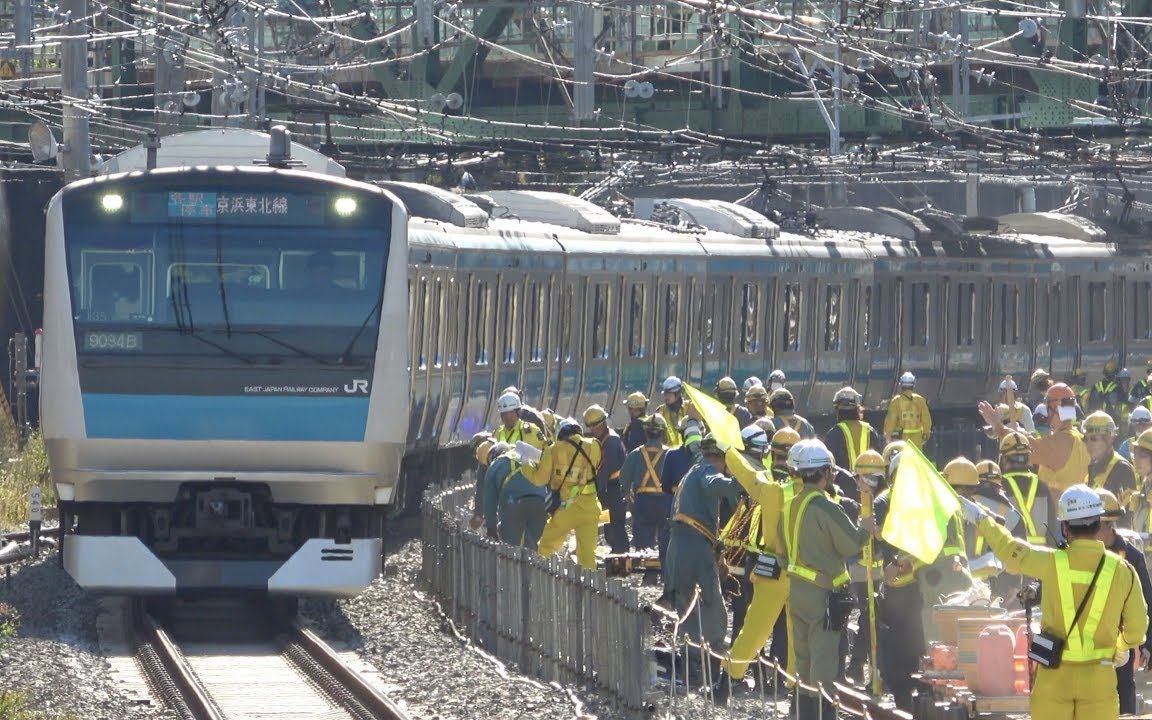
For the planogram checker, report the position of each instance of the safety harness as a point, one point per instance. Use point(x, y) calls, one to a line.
point(1025, 504)
point(651, 483)
point(1101, 477)
point(1079, 646)
point(855, 447)
point(795, 567)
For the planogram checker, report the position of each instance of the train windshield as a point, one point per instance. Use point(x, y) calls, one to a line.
point(246, 287)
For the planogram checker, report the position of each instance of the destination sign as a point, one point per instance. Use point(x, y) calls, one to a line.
point(241, 208)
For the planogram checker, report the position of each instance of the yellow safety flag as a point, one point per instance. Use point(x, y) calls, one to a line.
point(722, 424)
point(921, 505)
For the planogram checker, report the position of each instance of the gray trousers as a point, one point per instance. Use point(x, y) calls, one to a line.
point(522, 521)
point(691, 564)
point(817, 649)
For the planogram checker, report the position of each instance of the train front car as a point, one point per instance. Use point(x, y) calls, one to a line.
point(223, 379)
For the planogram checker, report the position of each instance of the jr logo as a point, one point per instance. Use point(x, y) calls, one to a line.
point(357, 386)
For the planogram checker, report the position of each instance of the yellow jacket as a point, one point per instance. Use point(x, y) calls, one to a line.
point(672, 420)
point(522, 430)
point(910, 415)
point(1125, 616)
point(567, 466)
point(763, 489)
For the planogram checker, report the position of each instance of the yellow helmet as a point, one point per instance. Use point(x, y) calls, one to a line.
point(784, 438)
point(846, 398)
point(1015, 443)
point(483, 450)
point(989, 471)
point(1099, 423)
point(636, 401)
point(1112, 507)
point(726, 384)
point(594, 415)
point(1143, 442)
point(870, 462)
point(780, 394)
point(756, 392)
point(1110, 368)
point(891, 450)
point(655, 422)
point(1039, 375)
point(549, 421)
point(961, 472)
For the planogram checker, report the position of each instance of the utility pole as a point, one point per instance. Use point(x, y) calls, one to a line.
point(22, 25)
point(74, 90)
point(837, 82)
point(583, 61)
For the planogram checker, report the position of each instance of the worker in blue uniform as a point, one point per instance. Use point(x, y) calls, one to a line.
point(677, 463)
point(691, 565)
point(641, 479)
point(783, 407)
point(609, 489)
point(637, 405)
point(1117, 543)
point(728, 394)
point(514, 507)
point(851, 436)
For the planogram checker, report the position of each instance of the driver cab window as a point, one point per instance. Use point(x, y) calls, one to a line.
point(322, 270)
point(116, 286)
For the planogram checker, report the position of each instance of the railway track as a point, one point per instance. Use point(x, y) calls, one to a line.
point(232, 661)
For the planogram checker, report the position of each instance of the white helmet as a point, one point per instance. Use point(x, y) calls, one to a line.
point(508, 402)
point(777, 376)
point(907, 379)
point(846, 397)
point(1008, 384)
point(808, 455)
point(755, 440)
point(1080, 503)
point(672, 385)
point(1040, 410)
point(1140, 414)
point(1124, 374)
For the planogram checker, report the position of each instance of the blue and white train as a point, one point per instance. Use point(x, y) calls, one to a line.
point(217, 419)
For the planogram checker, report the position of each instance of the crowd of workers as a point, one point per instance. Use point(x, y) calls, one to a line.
point(767, 549)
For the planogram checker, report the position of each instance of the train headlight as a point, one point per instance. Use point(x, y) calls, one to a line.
point(112, 202)
point(344, 206)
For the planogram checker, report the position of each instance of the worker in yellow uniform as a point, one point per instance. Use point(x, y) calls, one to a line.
point(569, 466)
point(1061, 456)
point(851, 435)
point(674, 410)
point(1106, 468)
point(1030, 497)
point(513, 428)
point(870, 473)
point(964, 477)
point(908, 417)
point(817, 538)
point(766, 570)
point(1092, 609)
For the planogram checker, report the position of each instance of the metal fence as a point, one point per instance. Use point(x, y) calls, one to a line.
point(554, 620)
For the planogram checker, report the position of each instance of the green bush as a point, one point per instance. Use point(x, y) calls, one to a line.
point(20, 471)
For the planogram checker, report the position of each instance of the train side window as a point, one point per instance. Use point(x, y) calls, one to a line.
point(965, 314)
point(534, 311)
point(672, 320)
point(1009, 314)
point(866, 316)
point(919, 312)
point(420, 310)
point(637, 321)
point(436, 315)
point(1141, 317)
point(749, 319)
point(568, 327)
point(1097, 311)
point(707, 321)
point(833, 296)
point(793, 295)
point(482, 318)
point(600, 320)
point(511, 316)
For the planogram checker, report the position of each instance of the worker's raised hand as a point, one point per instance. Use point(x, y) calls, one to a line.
point(973, 513)
point(989, 413)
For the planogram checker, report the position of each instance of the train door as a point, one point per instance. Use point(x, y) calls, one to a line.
point(887, 322)
point(1061, 358)
point(671, 331)
point(712, 346)
point(794, 349)
point(601, 340)
point(535, 360)
point(922, 346)
point(480, 322)
point(508, 360)
point(747, 328)
point(1075, 320)
point(864, 336)
point(966, 356)
point(1012, 355)
point(1140, 320)
point(1098, 339)
point(451, 389)
point(1120, 319)
point(417, 361)
point(569, 349)
point(637, 353)
point(433, 360)
point(832, 329)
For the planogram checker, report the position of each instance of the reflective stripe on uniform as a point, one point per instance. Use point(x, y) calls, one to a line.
point(1100, 478)
point(650, 483)
point(1079, 643)
point(854, 448)
point(793, 535)
point(1025, 505)
point(695, 525)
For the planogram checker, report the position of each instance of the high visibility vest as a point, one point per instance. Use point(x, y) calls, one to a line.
point(1079, 645)
point(1101, 477)
point(855, 446)
point(958, 530)
point(672, 425)
point(651, 480)
point(792, 528)
point(1025, 503)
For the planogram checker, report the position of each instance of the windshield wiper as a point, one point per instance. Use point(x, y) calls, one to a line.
point(360, 330)
point(220, 279)
point(289, 346)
